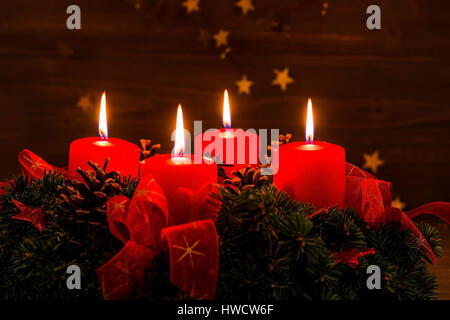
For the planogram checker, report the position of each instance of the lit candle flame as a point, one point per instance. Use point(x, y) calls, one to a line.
point(179, 134)
point(309, 134)
point(102, 123)
point(226, 111)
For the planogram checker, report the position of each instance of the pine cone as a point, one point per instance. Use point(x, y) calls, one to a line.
point(148, 150)
point(283, 139)
point(246, 178)
point(89, 199)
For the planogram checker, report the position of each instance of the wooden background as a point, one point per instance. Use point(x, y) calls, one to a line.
point(384, 90)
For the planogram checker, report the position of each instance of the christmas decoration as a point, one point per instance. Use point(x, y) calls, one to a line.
point(221, 38)
point(34, 215)
point(246, 178)
point(397, 203)
point(283, 139)
point(179, 170)
point(224, 54)
point(245, 5)
point(191, 5)
point(282, 78)
point(97, 149)
point(269, 245)
point(84, 103)
point(148, 150)
point(350, 257)
point(438, 209)
point(34, 166)
point(324, 9)
point(244, 84)
point(231, 139)
point(192, 246)
point(372, 161)
point(319, 165)
point(89, 197)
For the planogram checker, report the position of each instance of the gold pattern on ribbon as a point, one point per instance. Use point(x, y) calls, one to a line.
point(34, 164)
point(188, 251)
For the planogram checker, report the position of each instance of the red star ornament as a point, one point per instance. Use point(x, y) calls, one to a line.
point(34, 215)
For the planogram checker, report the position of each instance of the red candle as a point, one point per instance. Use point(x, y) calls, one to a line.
point(178, 170)
point(124, 156)
point(235, 148)
point(312, 171)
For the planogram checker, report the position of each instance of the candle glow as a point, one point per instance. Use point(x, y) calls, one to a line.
point(102, 122)
point(177, 171)
point(226, 111)
point(309, 133)
point(179, 134)
point(319, 165)
point(123, 155)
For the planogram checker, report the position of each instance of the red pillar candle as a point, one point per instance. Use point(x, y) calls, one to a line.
point(235, 148)
point(178, 170)
point(312, 171)
point(124, 156)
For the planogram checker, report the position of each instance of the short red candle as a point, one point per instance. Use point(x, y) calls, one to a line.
point(180, 172)
point(235, 148)
point(173, 172)
point(312, 172)
point(124, 156)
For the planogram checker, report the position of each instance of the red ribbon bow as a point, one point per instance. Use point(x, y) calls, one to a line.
point(142, 225)
point(372, 199)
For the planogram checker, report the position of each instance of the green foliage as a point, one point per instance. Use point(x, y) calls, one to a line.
point(269, 249)
point(33, 264)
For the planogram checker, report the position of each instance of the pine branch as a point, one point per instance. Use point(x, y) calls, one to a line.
point(271, 247)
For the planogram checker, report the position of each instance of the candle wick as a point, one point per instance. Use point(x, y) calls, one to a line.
point(309, 140)
point(103, 135)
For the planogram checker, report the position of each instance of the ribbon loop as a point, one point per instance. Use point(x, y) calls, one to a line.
point(372, 199)
point(196, 205)
point(142, 225)
point(194, 258)
point(117, 212)
point(124, 276)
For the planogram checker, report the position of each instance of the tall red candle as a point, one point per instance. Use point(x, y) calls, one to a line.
point(235, 148)
point(312, 171)
point(124, 156)
point(178, 170)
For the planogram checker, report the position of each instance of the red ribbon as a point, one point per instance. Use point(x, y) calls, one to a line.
point(372, 199)
point(350, 257)
point(438, 209)
point(33, 166)
point(142, 225)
